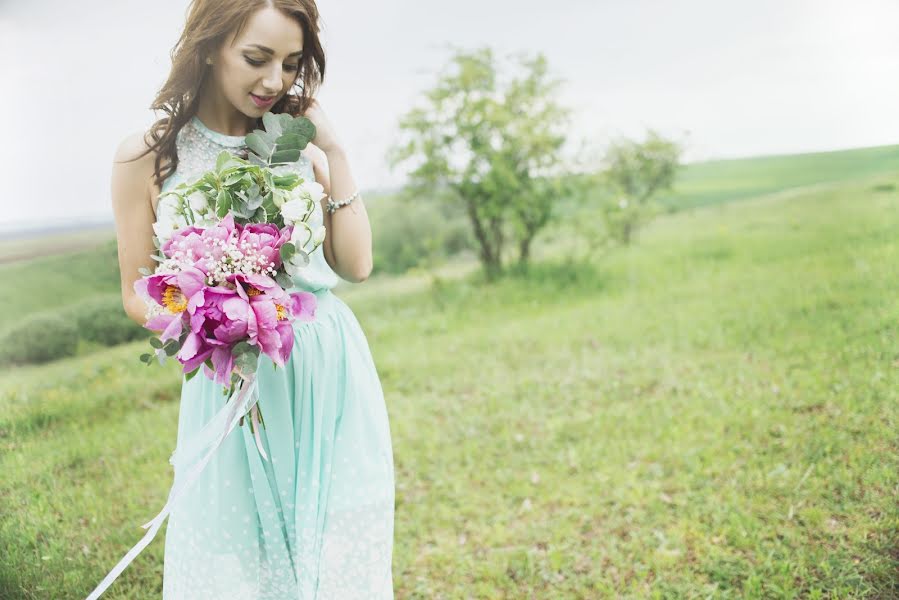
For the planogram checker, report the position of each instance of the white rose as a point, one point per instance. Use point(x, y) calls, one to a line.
point(198, 202)
point(294, 210)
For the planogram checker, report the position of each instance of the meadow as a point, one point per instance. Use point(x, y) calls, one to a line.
point(710, 412)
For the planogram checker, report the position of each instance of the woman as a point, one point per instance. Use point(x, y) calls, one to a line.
point(316, 520)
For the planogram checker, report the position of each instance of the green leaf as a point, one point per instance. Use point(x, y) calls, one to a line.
point(189, 376)
point(290, 140)
point(288, 180)
point(146, 357)
point(287, 251)
point(284, 280)
point(259, 145)
point(223, 203)
point(284, 156)
point(303, 127)
point(222, 160)
point(156, 343)
point(246, 362)
point(272, 123)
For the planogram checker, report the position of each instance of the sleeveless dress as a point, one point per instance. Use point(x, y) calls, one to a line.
point(316, 520)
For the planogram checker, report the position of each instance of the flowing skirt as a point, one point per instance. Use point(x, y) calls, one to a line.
point(316, 520)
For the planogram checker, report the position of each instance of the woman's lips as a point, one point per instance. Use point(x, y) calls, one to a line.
point(262, 101)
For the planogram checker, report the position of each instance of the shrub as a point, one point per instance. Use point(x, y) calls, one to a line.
point(103, 320)
point(414, 234)
point(38, 339)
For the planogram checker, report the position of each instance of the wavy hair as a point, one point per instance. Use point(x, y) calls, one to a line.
point(208, 25)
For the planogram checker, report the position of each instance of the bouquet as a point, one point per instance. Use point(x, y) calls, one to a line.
point(218, 295)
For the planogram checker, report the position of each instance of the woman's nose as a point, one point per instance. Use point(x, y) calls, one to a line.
point(272, 81)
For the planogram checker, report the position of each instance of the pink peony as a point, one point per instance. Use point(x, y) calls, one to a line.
point(266, 239)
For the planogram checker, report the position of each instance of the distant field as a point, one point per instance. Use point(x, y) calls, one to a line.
point(709, 413)
point(17, 250)
point(728, 180)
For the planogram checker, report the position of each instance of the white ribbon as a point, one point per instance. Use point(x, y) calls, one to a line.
point(221, 424)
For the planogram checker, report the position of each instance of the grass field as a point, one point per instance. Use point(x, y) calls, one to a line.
point(710, 413)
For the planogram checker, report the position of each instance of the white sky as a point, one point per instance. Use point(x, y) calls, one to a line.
point(743, 78)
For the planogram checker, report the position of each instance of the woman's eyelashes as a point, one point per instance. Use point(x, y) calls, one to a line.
point(259, 63)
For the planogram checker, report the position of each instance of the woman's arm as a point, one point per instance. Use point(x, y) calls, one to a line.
point(348, 245)
point(133, 211)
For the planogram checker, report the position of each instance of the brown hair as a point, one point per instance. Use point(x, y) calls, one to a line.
point(208, 24)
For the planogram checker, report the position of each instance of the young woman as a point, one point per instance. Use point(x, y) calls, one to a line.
point(316, 520)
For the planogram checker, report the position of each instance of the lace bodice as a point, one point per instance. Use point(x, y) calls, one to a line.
point(198, 146)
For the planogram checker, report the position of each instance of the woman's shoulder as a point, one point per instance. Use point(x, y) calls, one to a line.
point(136, 146)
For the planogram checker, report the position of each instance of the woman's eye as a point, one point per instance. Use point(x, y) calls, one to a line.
point(259, 63)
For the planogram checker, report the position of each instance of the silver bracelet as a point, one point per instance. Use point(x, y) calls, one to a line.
point(333, 206)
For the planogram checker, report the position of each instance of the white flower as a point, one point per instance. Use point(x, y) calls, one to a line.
point(198, 202)
point(300, 235)
point(319, 235)
point(314, 189)
point(164, 229)
point(294, 210)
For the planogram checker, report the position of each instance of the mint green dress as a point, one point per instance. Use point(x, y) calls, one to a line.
point(316, 520)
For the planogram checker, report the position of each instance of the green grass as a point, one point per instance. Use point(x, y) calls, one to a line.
point(710, 413)
point(719, 181)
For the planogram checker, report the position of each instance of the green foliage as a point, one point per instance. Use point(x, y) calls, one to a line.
point(282, 140)
point(39, 339)
point(253, 190)
point(709, 414)
point(417, 232)
point(635, 172)
point(102, 320)
point(492, 139)
point(51, 335)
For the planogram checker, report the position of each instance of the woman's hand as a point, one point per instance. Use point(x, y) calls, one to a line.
point(325, 137)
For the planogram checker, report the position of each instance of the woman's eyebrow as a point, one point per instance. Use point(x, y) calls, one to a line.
point(270, 51)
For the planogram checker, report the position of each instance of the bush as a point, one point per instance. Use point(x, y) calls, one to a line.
point(103, 320)
point(408, 234)
point(38, 339)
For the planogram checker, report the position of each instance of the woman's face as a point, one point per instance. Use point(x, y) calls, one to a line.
point(262, 64)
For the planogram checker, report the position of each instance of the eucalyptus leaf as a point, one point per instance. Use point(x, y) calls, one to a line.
point(273, 123)
point(241, 348)
point(246, 362)
point(284, 280)
point(284, 156)
point(155, 342)
point(290, 140)
point(287, 250)
point(259, 145)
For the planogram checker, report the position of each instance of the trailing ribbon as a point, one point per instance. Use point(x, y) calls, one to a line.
point(216, 430)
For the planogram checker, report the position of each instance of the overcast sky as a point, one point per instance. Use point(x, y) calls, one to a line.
point(742, 77)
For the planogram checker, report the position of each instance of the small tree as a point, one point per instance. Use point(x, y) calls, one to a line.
point(493, 145)
point(635, 172)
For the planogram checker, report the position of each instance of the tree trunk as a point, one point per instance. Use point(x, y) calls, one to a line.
point(524, 250)
point(490, 247)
